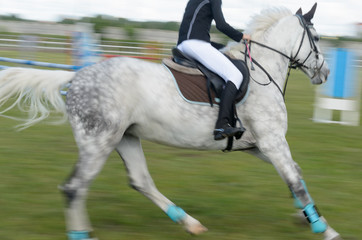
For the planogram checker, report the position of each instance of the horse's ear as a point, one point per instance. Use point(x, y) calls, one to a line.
point(299, 12)
point(308, 16)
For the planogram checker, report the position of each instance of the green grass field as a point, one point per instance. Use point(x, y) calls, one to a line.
point(235, 195)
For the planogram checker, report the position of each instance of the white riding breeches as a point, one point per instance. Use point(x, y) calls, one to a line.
point(213, 59)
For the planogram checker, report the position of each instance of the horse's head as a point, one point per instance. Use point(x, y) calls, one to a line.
point(307, 55)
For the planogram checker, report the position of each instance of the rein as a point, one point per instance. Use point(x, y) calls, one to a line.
point(293, 62)
point(271, 80)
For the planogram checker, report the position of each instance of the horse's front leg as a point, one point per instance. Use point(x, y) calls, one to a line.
point(274, 148)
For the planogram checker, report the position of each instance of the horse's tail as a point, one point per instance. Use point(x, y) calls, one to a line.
point(34, 91)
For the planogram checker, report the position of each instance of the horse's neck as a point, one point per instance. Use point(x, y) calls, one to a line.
point(273, 62)
point(281, 38)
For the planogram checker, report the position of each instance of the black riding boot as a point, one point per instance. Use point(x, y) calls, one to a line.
point(223, 127)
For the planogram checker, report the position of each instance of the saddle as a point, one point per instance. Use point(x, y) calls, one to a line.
point(197, 84)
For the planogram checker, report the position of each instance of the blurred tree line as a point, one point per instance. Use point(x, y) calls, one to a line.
point(101, 21)
point(13, 17)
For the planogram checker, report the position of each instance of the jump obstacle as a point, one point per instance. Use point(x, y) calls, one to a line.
point(39, 64)
point(85, 52)
point(341, 92)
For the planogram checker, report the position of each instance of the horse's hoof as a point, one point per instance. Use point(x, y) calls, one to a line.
point(196, 229)
point(192, 226)
point(336, 238)
point(330, 234)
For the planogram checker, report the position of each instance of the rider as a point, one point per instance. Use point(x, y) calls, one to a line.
point(194, 42)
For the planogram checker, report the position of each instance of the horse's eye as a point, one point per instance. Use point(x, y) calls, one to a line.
point(316, 38)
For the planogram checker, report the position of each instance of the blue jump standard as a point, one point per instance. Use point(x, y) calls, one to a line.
point(342, 80)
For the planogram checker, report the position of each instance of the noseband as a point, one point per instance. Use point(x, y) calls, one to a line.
point(294, 62)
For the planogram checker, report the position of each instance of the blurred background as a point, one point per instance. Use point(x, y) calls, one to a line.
point(143, 29)
point(233, 195)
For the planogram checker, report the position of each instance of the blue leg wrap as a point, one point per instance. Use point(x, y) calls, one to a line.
point(297, 203)
point(310, 212)
point(317, 224)
point(78, 235)
point(175, 213)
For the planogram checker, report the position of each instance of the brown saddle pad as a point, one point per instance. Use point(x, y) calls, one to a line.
point(191, 84)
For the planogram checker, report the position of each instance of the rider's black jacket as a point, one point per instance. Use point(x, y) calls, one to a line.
point(197, 20)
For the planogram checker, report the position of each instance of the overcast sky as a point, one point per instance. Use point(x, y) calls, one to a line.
point(333, 17)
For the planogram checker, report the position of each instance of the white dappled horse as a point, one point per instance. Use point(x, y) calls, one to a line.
point(113, 104)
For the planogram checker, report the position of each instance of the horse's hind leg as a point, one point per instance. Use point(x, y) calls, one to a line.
point(131, 152)
point(93, 153)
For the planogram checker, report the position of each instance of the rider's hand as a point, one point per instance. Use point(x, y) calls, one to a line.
point(246, 37)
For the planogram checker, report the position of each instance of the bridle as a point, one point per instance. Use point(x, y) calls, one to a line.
point(294, 62)
point(313, 47)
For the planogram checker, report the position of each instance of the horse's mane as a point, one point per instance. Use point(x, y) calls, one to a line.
point(258, 26)
point(265, 19)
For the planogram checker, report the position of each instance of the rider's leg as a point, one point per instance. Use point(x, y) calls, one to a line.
point(223, 128)
point(217, 62)
point(212, 59)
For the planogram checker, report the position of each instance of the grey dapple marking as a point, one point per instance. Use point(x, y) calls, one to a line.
point(114, 104)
